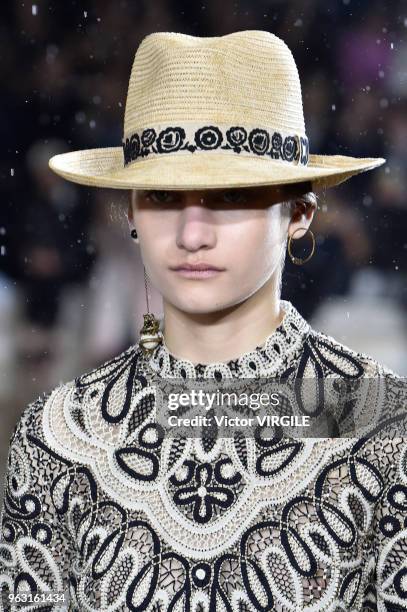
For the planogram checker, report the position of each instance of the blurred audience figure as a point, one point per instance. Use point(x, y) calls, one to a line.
point(341, 246)
point(388, 219)
point(117, 297)
point(55, 250)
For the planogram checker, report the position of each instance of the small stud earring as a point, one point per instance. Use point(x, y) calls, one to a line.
point(133, 234)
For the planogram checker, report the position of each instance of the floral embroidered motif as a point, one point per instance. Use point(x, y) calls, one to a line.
point(203, 487)
point(237, 139)
point(98, 503)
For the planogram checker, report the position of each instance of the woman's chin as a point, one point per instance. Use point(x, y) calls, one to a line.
point(206, 305)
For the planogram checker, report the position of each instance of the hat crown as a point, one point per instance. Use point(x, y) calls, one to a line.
point(245, 77)
point(211, 112)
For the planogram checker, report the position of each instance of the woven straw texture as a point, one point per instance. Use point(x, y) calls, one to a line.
point(180, 82)
point(248, 77)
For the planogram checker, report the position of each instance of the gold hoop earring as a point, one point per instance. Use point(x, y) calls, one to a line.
point(297, 260)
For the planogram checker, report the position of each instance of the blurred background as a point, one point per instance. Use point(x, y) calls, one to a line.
point(71, 279)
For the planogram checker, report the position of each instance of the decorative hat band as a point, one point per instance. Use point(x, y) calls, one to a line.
point(268, 143)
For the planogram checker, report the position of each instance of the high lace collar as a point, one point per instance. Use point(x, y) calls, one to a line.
point(281, 347)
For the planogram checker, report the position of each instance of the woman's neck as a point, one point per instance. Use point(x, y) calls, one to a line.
point(222, 335)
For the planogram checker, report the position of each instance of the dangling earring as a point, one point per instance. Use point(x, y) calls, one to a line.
point(297, 260)
point(150, 335)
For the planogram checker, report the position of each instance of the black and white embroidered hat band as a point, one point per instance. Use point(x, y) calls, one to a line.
point(211, 112)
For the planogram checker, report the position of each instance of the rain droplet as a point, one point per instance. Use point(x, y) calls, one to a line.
point(333, 107)
point(85, 14)
point(12, 171)
point(80, 117)
point(34, 9)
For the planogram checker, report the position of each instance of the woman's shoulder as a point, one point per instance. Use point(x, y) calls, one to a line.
point(375, 395)
point(344, 358)
point(112, 374)
point(112, 379)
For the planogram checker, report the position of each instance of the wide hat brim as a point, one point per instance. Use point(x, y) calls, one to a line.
point(103, 167)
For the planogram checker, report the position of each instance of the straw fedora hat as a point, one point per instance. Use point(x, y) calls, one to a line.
point(211, 112)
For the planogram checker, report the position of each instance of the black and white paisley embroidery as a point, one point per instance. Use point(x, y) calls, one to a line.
point(280, 452)
point(210, 137)
point(309, 547)
point(147, 450)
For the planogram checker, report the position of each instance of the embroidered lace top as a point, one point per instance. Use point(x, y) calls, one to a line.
point(99, 506)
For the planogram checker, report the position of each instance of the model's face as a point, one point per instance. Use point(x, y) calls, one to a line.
point(239, 231)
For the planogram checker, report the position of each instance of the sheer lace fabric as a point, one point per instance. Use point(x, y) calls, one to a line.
point(97, 504)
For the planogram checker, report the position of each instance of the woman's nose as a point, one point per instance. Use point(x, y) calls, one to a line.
point(196, 228)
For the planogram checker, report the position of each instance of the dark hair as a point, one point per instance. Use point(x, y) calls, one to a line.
point(300, 192)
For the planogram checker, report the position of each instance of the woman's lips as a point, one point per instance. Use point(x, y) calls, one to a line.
point(209, 273)
point(198, 271)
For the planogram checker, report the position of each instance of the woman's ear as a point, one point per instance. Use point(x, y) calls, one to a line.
point(301, 217)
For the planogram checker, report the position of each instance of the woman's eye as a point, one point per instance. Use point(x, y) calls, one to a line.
point(162, 197)
point(234, 197)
